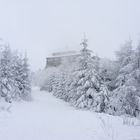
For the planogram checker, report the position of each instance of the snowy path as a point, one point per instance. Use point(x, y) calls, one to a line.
point(48, 118)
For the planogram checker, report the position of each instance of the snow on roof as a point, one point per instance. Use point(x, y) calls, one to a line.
point(62, 54)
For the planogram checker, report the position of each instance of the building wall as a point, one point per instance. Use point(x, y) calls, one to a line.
point(57, 61)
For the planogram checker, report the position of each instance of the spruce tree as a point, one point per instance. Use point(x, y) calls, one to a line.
point(25, 80)
point(85, 88)
point(6, 77)
point(125, 95)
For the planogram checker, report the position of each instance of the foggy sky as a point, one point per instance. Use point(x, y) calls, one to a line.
point(40, 27)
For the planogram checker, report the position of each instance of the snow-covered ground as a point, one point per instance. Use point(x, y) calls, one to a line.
point(48, 118)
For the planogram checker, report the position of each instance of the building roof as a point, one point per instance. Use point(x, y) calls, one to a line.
point(63, 54)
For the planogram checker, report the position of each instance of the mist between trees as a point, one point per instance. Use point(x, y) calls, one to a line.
point(97, 84)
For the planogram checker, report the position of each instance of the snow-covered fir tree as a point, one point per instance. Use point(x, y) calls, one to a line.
point(14, 75)
point(124, 56)
point(25, 81)
point(21, 77)
point(86, 87)
point(124, 99)
point(6, 75)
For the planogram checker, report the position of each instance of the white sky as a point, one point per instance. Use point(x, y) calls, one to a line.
point(41, 27)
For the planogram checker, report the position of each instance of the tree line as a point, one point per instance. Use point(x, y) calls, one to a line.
point(91, 83)
point(14, 75)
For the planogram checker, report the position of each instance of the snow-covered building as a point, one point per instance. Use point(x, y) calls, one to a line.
point(56, 59)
